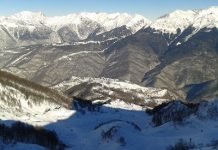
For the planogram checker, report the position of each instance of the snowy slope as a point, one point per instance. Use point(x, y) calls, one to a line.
point(21, 99)
point(129, 127)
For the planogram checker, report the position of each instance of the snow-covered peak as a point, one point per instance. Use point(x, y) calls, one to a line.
point(206, 18)
point(107, 21)
point(26, 19)
point(171, 22)
point(180, 19)
point(29, 17)
point(137, 22)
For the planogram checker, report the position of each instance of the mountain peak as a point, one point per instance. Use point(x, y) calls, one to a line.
point(169, 23)
point(108, 21)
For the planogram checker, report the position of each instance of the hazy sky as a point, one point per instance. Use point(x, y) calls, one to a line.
point(149, 8)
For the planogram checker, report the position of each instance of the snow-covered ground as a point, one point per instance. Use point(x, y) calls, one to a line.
point(28, 102)
point(122, 126)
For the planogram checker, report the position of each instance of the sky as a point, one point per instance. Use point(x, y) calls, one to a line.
point(151, 9)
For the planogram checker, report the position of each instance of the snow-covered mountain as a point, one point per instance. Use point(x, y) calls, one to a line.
point(26, 28)
point(179, 19)
point(103, 20)
point(29, 28)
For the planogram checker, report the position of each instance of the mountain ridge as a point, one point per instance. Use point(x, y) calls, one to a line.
point(30, 27)
point(27, 28)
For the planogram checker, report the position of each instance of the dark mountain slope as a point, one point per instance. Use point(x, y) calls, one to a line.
point(192, 62)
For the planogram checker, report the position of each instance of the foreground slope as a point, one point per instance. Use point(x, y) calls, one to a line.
point(115, 124)
point(119, 125)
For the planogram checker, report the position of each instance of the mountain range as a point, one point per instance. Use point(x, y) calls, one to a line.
point(81, 81)
point(178, 51)
point(28, 28)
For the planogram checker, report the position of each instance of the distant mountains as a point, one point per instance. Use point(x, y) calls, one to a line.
point(178, 51)
point(28, 28)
